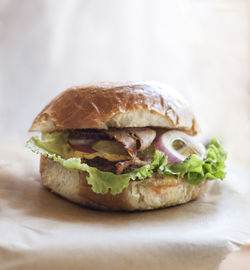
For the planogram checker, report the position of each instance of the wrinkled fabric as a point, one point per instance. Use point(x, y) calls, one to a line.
point(40, 230)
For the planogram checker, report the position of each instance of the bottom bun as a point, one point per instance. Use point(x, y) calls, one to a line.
point(151, 193)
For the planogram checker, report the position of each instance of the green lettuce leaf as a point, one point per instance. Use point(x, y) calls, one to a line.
point(56, 143)
point(101, 182)
point(195, 169)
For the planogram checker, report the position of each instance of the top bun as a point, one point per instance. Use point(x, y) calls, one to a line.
point(120, 105)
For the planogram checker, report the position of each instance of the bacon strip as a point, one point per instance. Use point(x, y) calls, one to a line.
point(93, 134)
point(122, 165)
point(133, 140)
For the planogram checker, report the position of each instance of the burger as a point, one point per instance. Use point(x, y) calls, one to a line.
point(124, 146)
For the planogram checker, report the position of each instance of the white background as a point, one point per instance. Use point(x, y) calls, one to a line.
point(201, 47)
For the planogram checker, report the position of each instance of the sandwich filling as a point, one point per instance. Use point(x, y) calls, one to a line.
point(114, 157)
point(119, 146)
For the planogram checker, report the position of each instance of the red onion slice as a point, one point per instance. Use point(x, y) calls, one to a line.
point(81, 141)
point(82, 145)
point(84, 148)
point(178, 146)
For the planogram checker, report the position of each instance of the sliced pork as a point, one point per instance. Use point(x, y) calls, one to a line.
point(133, 140)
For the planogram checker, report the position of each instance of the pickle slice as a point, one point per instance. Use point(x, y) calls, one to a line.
point(111, 147)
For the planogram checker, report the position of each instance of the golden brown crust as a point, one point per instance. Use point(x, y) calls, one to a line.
point(103, 105)
point(148, 194)
point(42, 163)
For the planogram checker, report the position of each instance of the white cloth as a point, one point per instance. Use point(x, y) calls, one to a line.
point(200, 47)
point(39, 230)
